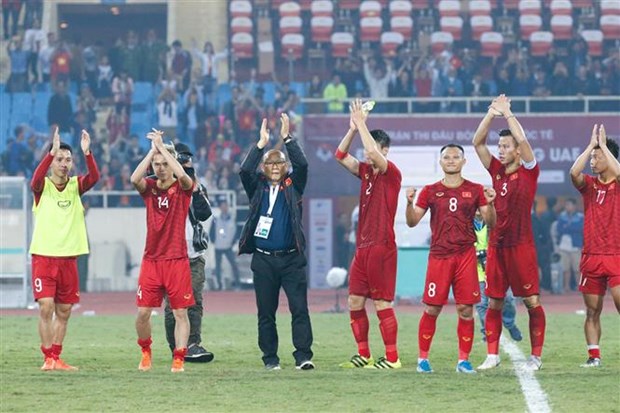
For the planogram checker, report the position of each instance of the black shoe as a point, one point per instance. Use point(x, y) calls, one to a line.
point(197, 354)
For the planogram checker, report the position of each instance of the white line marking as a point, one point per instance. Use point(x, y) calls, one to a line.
point(535, 397)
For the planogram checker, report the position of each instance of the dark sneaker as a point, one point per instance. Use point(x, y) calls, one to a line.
point(306, 365)
point(592, 362)
point(515, 333)
point(197, 354)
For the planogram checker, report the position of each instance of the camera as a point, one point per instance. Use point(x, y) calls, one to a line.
point(481, 256)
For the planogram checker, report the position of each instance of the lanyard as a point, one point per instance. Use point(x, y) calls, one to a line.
point(273, 195)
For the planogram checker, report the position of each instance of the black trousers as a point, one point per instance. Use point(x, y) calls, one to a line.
point(289, 272)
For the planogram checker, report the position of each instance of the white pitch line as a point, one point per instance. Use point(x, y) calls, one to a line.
point(535, 397)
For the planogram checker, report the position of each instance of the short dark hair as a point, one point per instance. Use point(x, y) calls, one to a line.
point(452, 145)
point(506, 132)
point(381, 137)
point(612, 145)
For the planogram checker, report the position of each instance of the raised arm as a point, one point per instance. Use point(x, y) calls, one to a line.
point(86, 182)
point(184, 179)
point(247, 172)
point(137, 177)
point(488, 211)
point(413, 213)
point(370, 145)
point(612, 162)
point(576, 171)
point(38, 177)
point(295, 154)
point(342, 154)
point(481, 135)
point(502, 105)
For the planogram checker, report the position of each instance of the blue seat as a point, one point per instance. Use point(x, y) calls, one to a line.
point(21, 103)
point(224, 94)
point(142, 92)
point(41, 102)
point(270, 92)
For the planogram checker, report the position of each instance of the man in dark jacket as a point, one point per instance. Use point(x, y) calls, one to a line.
point(199, 211)
point(274, 235)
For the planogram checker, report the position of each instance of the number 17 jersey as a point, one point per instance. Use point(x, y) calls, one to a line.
point(166, 212)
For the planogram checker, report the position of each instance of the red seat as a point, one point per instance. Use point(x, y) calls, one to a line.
point(419, 4)
point(322, 8)
point(400, 8)
point(321, 28)
point(580, 4)
point(440, 41)
point(390, 41)
point(562, 27)
point(610, 7)
point(479, 25)
point(242, 45)
point(370, 8)
point(449, 8)
point(289, 8)
point(540, 43)
point(610, 26)
point(290, 24)
point(480, 8)
point(292, 46)
point(530, 7)
point(511, 4)
point(342, 44)
point(529, 24)
point(349, 4)
point(240, 8)
point(241, 25)
point(561, 7)
point(402, 25)
point(370, 29)
point(452, 24)
point(594, 39)
point(491, 44)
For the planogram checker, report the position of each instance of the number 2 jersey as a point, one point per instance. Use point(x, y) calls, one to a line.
point(166, 212)
point(601, 204)
point(452, 216)
point(513, 203)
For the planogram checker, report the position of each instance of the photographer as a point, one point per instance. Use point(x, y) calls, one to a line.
point(509, 312)
point(196, 237)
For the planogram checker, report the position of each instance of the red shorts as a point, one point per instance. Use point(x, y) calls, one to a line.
point(172, 277)
point(55, 277)
point(373, 272)
point(459, 271)
point(515, 267)
point(598, 272)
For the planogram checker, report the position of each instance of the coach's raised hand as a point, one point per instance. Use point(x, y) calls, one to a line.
point(284, 129)
point(264, 135)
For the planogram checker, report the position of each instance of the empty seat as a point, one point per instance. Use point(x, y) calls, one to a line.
point(561, 7)
point(342, 44)
point(322, 8)
point(610, 7)
point(240, 8)
point(594, 39)
point(419, 4)
point(242, 45)
point(292, 45)
point(580, 4)
point(480, 8)
point(511, 4)
point(440, 41)
point(370, 8)
point(370, 29)
point(290, 9)
point(540, 43)
point(529, 24)
point(290, 24)
point(400, 8)
point(562, 27)
point(449, 8)
point(321, 28)
point(452, 24)
point(529, 7)
point(491, 44)
point(349, 4)
point(241, 25)
point(402, 25)
point(390, 41)
point(610, 26)
point(479, 25)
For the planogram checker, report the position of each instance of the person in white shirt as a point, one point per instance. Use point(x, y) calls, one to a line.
point(209, 61)
point(34, 41)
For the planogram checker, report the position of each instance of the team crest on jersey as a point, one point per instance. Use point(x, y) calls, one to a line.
point(612, 186)
point(498, 177)
point(288, 182)
point(476, 293)
point(527, 286)
point(64, 204)
point(466, 194)
point(514, 176)
point(171, 191)
point(154, 191)
point(187, 296)
point(366, 176)
point(439, 194)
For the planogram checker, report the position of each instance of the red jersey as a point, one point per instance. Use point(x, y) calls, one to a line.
point(601, 229)
point(378, 203)
point(513, 204)
point(166, 212)
point(452, 216)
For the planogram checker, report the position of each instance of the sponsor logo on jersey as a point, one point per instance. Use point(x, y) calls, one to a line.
point(498, 177)
point(466, 338)
point(426, 336)
point(476, 293)
point(187, 296)
point(466, 194)
point(64, 204)
point(514, 176)
point(439, 194)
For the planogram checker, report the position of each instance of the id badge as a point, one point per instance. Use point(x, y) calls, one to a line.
point(263, 227)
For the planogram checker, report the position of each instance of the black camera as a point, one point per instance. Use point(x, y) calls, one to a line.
point(481, 256)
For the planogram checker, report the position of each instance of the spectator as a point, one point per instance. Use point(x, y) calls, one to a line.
point(117, 124)
point(104, 79)
point(45, 58)
point(18, 80)
point(131, 55)
point(34, 11)
point(377, 79)
point(223, 233)
point(544, 247)
point(135, 153)
point(34, 39)
point(122, 89)
point(209, 61)
point(167, 116)
point(452, 87)
point(87, 103)
point(76, 71)
point(152, 49)
point(192, 117)
point(547, 218)
point(90, 56)
point(336, 94)
point(584, 83)
point(315, 91)
point(570, 241)
point(401, 85)
point(60, 111)
point(223, 152)
point(19, 158)
point(10, 12)
point(477, 88)
point(181, 65)
point(60, 63)
point(423, 84)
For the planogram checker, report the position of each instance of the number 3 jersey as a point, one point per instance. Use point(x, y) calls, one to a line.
point(601, 204)
point(513, 203)
point(452, 216)
point(166, 212)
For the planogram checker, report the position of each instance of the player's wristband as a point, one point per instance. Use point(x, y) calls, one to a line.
point(340, 155)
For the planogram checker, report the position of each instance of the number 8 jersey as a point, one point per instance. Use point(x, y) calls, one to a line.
point(166, 212)
point(515, 197)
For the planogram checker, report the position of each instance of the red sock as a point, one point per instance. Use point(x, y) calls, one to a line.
point(389, 331)
point(465, 331)
point(537, 329)
point(594, 351)
point(493, 328)
point(359, 325)
point(47, 351)
point(56, 349)
point(179, 353)
point(426, 331)
point(145, 344)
